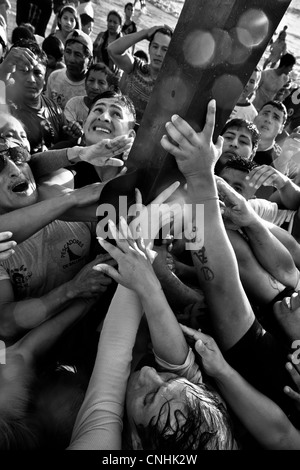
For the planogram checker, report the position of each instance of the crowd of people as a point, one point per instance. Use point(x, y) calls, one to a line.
point(118, 335)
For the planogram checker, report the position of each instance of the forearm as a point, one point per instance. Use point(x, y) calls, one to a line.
point(260, 415)
point(289, 195)
point(99, 421)
point(119, 46)
point(19, 317)
point(39, 340)
point(271, 253)
point(166, 335)
point(217, 268)
point(24, 222)
point(43, 163)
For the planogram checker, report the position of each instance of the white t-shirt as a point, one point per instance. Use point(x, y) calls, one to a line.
point(76, 109)
point(244, 111)
point(270, 212)
point(61, 89)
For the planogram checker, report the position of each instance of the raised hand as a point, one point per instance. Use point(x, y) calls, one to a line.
point(212, 359)
point(195, 153)
point(266, 175)
point(89, 283)
point(236, 210)
point(134, 260)
point(103, 153)
point(6, 248)
point(150, 219)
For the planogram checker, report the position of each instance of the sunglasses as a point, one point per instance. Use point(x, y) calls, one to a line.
point(18, 155)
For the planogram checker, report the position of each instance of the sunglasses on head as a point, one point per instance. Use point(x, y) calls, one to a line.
point(18, 155)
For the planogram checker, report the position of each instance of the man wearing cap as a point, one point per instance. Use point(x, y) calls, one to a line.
point(66, 83)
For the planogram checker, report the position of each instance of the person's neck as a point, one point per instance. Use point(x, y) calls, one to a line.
point(154, 72)
point(35, 102)
point(87, 101)
point(77, 78)
point(265, 144)
point(106, 173)
point(64, 34)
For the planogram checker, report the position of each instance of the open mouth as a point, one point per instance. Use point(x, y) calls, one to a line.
point(100, 129)
point(20, 187)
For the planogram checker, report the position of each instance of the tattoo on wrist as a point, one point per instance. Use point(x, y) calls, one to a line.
point(207, 273)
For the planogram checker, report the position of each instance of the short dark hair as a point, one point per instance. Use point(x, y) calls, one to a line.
point(243, 123)
point(207, 425)
point(86, 19)
point(287, 60)
point(112, 79)
point(116, 13)
point(237, 163)
point(124, 100)
point(33, 47)
point(52, 45)
point(277, 104)
point(164, 30)
point(142, 55)
point(129, 4)
point(22, 32)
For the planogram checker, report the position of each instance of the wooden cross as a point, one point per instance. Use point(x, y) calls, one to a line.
point(214, 50)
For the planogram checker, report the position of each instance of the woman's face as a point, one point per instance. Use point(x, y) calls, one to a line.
point(113, 24)
point(147, 393)
point(68, 22)
point(12, 129)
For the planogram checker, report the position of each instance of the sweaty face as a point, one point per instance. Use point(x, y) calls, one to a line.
point(76, 61)
point(107, 119)
point(17, 187)
point(68, 22)
point(12, 129)
point(158, 49)
point(29, 83)
point(269, 122)
point(95, 84)
point(238, 140)
point(148, 391)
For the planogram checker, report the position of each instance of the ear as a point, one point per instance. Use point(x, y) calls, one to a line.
point(132, 133)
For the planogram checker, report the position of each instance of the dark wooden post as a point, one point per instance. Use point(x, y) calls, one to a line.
point(215, 47)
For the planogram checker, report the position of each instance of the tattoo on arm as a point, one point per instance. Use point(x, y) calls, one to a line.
point(206, 272)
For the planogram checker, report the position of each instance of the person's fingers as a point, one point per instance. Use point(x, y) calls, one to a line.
point(294, 374)
point(114, 251)
point(292, 394)
point(108, 270)
point(166, 193)
point(183, 130)
point(5, 235)
point(6, 254)
point(113, 162)
point(209, 127)
point(175, 131)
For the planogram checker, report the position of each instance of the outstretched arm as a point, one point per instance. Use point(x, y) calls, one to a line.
point(267, 423)
point(212, 252)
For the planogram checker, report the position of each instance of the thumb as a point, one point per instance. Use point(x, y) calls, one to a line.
point(200, 347)
point(108, 270)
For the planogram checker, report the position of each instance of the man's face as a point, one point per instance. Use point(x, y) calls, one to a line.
point(88, 28)
point(237, 180)
point(75, 59)
point(158, 49)
point(29, 83)
point(17, 187)
point(238, 141)
point(107, 119)
point(95, 84)
point(269, 122)
point(129, 12)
